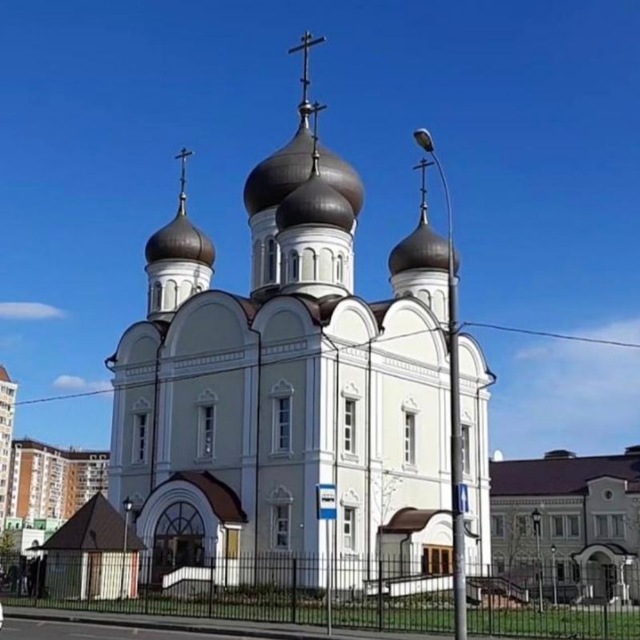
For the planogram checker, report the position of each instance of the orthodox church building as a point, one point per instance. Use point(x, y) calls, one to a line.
point(230, 408)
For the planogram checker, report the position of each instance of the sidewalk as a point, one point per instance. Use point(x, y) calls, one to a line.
point(240, 628)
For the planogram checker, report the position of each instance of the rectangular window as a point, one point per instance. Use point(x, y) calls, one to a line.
point(522, 525)
point(281, 526)
point(560, 575)
point(283, 424)
point(409, 438)
point(207, 429)
point(575, 572)
point(557, 526)
point(349, 426)
point(497, 526)
point(617, 525)
point(602, 527)
point(140, 438)
point(348, 528)
point(573, 526)
point(466, 448)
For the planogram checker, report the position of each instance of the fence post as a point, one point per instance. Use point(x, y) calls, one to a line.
point(492, 590)
point(605, 622)
point(212, 566)
point(380, 608)
point(37, 584)
point(294, 589)
point(146, 571)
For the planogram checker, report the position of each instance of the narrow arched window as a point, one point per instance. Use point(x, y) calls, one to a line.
point(157, 296)
point(295, 266)
point(340, 269)
point(271, 260)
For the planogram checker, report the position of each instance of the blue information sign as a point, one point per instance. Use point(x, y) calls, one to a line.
point(326, 501)
point(462, 498)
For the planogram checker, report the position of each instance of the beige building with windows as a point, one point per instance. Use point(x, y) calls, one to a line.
point(50, 482)
point(589, 523)
point(8, 392)
point(232, 408)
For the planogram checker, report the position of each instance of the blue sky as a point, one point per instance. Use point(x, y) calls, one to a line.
point(534, 107)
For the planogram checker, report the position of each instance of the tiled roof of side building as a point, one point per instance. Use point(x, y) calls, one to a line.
point(561, 476)
point(4, 375)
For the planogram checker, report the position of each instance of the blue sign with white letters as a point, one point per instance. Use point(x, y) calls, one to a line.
point(326, 501)
point(462, 498)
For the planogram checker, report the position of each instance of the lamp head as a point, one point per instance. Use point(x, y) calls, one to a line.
point(127, 504)
point(424, 140)
point(536, 516)
point(553, 548)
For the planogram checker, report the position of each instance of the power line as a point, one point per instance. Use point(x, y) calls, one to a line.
point(191, 376)
point(480, 325)
point(557, 336)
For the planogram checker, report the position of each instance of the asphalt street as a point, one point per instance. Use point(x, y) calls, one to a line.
point(38, 630)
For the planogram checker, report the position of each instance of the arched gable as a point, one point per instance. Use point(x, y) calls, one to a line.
point(284, 318)
point(209, 321)
point(139, 344)
point(472, 360)
point(411, 329)
point(352, 320)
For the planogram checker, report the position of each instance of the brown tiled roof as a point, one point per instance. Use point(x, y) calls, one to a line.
point(409, 520)
point(4, 374)
point(558, 476)
point(97, 526)
point(223, 499)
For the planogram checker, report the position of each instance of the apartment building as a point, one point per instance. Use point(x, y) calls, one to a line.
point(8, 392)
point(50, 482)
point(577, 517)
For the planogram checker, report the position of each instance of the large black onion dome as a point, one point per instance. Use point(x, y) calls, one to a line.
point(315, 202)
point(283, 172)
point(423, 249)
point(180, 240)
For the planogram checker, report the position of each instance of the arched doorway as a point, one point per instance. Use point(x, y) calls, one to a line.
point(602, 574)
point(178, 540)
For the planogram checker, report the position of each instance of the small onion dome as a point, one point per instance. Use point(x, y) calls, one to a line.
point(180, 240)
point(315, 202)
point(423, 249)
point(282, 173)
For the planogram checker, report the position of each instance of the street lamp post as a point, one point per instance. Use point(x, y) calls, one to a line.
point(554, 574)
point(536, 516)
point(128, 505)
point(425, 140)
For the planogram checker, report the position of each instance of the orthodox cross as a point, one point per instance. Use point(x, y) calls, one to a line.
point(307, 43)
point(183, 155)
point(422, 165)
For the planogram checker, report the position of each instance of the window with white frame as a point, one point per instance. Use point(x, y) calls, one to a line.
point(157, 296)
point(206, 430)
point(573, 526)
point(522, 525)
point(349, 528)
point(283, 424)
point(294, 266)
point(271, 260)
point(281, 525)
point(140, 437)
point(350, 425)
point(340, 269)
point(409, 438)
point(466, 448)
point(557, 526)
point(497, 526)
point(617, 525)
point(602, 526)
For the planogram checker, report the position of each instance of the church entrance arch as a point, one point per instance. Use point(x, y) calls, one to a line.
point(178, 540)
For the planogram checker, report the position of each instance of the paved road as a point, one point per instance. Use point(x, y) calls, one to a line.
point(36, 630)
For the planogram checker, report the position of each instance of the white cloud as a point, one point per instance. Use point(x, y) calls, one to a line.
point(80, 385)
point(29, 311)
point(574, 395)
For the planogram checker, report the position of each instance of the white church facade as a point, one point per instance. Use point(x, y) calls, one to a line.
point(230, 409)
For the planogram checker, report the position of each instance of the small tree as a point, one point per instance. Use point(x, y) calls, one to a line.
point(7, 544)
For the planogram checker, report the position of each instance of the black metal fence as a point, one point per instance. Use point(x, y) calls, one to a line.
point(599, 601)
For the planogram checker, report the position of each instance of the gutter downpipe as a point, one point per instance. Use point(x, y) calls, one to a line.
point(154, 422)
point(369, 439)
point(491, 382)
point(257, 452)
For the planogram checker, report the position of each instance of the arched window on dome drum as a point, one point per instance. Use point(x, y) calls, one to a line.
point(178, 540)
point(157, 296)
point(340, 269)
point(271, 260)
point(294, 266)
point(172, 295)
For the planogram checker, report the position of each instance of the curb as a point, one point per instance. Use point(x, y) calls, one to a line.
point(266, 634)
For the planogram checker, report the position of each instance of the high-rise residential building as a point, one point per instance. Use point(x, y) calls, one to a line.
point(50, 482)
point(8, 392)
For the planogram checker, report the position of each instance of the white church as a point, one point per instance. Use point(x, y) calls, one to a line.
point(230, 408)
